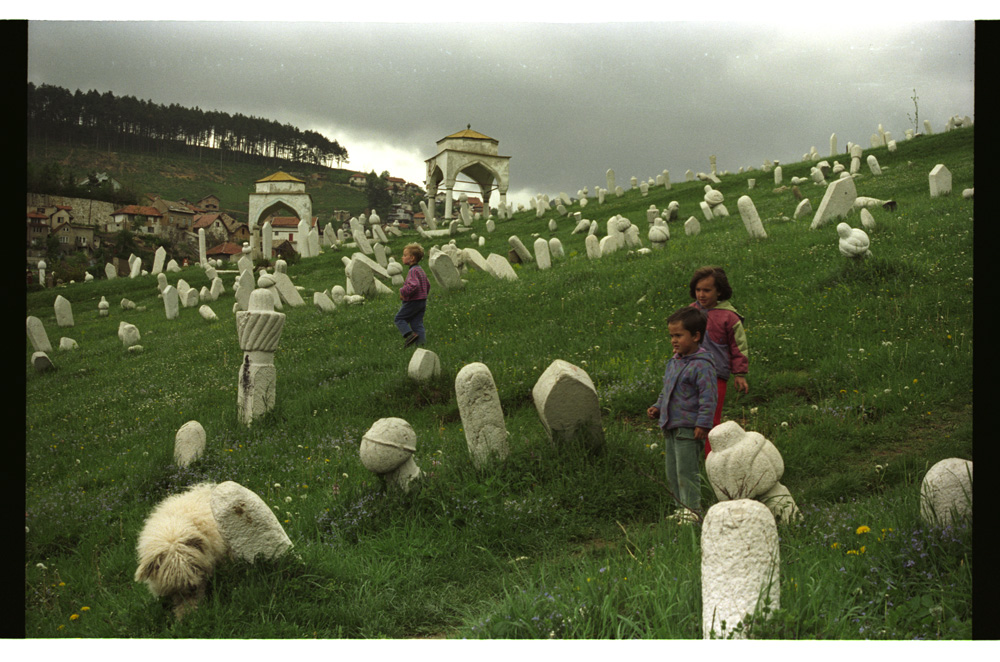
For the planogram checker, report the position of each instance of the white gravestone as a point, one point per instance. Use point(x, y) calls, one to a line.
point(837, 202)
point(189, 443)
point(387, 449)
point(424, 365)
point(158, 259)
point(36, 334)
point(207, 313)
point(940, 180)
point(542, 256)
point(852, 242)
point(482, 416)
point(501, 267)
point(946, 492)
point(128, 334)
point(171, 302)
point(568, 406)
point(740, 563)
point(873, 165)
point(66, 344)
point(64, 311)
point(247, 523)
point(751, 219)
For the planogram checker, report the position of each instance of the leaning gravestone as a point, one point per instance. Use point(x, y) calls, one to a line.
point(482, 416)
point(189, 443)
point(873, 165)
point(171, 302)
point(946, 492)
point(41, 362)
point(259, 330)
point(739, 566)
point(66, 344)
point(838, 201)
point(247, 524)
point(501, 267)
point(36, 334)
point(567, 405)
point(444, 271)
point(424, 365)
point(803, 209)
point(158, 259)
point(519, 248)
point(110, 271)
point(323, 302)
point(207, 313)
point(64, 311)
point(387, 449)
point(286, 289)
point(748, 212)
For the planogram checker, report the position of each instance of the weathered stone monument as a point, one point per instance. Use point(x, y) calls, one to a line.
point(568, 406)
point(946, 492)
point(247, 524)
point(424, 365)
point(189, 443)
point(751, 219)
point(482, 416)
point(128, 334)
point(259, 330)
point(387, 449)
point(837, 202)
point(940, 180)
point(64, 311)
point(36, 334)
point(745, 465)
point(852, 242)
point(740, 562)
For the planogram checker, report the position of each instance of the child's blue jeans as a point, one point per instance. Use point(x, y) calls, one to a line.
point(683, 454)
point(411, 318)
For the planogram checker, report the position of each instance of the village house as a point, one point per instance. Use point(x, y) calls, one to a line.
point(286, 228)
point(225, 251)
point(38, 227)
point(136, 219)
point(358, 179)
point(215, 229)
point(208, 203)
point(176, 218)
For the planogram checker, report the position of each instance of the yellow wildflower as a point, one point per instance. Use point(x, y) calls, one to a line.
point(835, 545)
point(862, 529)
point(84, 608)
point(74, 617)
point(852, 551)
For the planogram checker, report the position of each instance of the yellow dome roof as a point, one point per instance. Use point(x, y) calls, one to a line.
point(469, 133)
point(281, 177)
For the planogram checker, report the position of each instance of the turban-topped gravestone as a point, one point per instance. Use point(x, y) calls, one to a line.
point(387, 449)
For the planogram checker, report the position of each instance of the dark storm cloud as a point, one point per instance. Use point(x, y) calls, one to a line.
point(566, 101)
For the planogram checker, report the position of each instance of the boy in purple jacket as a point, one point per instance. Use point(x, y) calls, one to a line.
point(685, 407)
point(410, 318)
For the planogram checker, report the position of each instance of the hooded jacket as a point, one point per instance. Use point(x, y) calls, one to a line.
point(690, 391)
point(726, 339)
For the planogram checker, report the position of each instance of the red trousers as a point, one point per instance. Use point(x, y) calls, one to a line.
point(718, 412)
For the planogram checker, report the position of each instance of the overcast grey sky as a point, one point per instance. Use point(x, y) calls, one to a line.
point(566, 101)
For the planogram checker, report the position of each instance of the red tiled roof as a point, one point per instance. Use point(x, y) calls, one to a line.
point(137, 210)
point(225, 248)
point(37, 214)
point(64, 207)
point(204, 220)
point(288, 221)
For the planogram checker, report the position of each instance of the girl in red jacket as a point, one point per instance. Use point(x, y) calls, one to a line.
point(725, 339)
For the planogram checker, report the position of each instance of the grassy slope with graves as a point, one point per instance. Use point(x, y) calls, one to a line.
point(861, 375)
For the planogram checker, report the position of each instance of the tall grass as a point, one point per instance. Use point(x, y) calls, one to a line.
point(860, 373)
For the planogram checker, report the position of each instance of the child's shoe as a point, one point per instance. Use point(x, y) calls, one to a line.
point(410, 338)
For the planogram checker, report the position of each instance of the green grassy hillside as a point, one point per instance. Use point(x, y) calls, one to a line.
point(860, 374)
point(176, 176)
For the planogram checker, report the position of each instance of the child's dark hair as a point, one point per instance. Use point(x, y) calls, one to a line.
point(721, 281)
point(416, 250)
point(692, 319)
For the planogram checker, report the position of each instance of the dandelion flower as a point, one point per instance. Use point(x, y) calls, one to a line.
point(74, 617)
point(277, 484)
point(288, 499)
point(84, 608)
point(835, 545)
point(862, 529)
